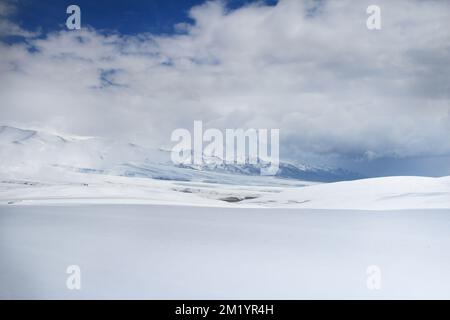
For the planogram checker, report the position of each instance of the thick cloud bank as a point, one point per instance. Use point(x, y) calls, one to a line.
point(310, 68)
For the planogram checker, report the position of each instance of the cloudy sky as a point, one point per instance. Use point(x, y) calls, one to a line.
point(375, 101)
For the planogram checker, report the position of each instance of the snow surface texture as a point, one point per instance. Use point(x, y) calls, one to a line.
point(149, 251)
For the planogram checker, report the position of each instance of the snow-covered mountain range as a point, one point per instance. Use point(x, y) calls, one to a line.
point(28, 151)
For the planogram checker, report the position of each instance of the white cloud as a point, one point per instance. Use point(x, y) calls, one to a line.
point(311, 69)
point(7, 27)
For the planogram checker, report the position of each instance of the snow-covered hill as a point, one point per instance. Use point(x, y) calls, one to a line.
point(389, 193)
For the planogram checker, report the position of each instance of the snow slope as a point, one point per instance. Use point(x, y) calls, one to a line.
point(387, 193)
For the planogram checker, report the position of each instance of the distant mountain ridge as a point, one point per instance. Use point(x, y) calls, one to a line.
point(286, 170)
point(23, 149)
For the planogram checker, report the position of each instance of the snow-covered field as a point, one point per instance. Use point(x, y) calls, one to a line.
point(153, 251)
point(386, 193)
point(139, 227)
point(145, 238)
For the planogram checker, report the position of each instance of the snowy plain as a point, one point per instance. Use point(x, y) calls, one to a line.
point(182, 252)
point(387, 193)
point(145, 229)
point(143, 238)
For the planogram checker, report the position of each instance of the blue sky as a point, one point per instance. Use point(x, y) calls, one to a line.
point(377, 102)
point(126, 17)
